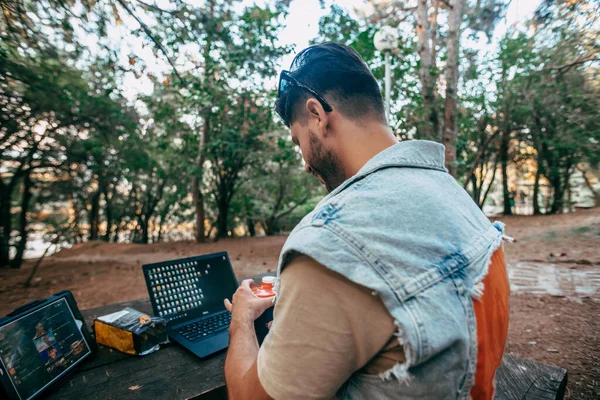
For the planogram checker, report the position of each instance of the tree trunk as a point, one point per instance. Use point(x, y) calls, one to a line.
point(5, 227)
point(434, 32)
point(569, 198)
point(431, 126)
point(108, 215)
point(223, 210)
point(226, 188)
point(163, 217)
point(487, 191)
point(273, 227)
point(536, 188)
point(558, 192)
point(588, 183)
point(160, 230)
point(557, 200)
point(116, 232)
point(134, 233)
point(547, 204)
point(251, 228)
point(198, 197)
point(95, 215)
point(23, 232)
point(6, 197)
point(451, 101)
point(480, 151)
point(504, 142)
point(197, 194)
point(77, 211)
point(565, 190)
point(474, 194)
point(148, 212)
point(145, 222)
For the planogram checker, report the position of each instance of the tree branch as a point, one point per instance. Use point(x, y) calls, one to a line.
point(289, 210)
point(485, 195)
point(149, 34)
point(478, 156)
point(156, 8)
point(393, 12)
point(562, 69)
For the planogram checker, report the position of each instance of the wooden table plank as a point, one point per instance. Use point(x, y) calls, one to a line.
point(170, 373)
point(519, 379)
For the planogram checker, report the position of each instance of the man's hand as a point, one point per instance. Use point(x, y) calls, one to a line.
point(241, 371)
point(245, 307)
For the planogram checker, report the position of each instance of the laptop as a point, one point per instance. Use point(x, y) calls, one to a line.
point(188, 293)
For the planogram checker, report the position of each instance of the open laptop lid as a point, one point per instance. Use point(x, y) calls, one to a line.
point(188, 288)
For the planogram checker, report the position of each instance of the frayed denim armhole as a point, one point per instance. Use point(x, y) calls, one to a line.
point(400, 370)
point(276, 288)
point(478, 287)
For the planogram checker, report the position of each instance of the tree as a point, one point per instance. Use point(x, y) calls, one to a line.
point(276, 185)
point(455, 16)
point(49, 107)
point(421, 115)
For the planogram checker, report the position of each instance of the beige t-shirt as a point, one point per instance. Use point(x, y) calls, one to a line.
point(325, 328)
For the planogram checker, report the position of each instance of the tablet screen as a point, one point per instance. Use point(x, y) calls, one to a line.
point(39, 347)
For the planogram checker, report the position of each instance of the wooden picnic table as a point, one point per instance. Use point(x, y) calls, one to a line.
point(174, 373)
point(169, 373)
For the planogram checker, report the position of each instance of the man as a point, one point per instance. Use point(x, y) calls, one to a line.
point(395, 285)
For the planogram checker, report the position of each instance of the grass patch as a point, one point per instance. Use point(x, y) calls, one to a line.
point(582, 229)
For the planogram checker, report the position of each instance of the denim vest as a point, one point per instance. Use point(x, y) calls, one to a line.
point(403, 227)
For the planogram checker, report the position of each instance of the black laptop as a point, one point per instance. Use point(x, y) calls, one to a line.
point(189, 294)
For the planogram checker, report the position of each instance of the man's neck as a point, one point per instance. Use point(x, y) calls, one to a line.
point(363, 143)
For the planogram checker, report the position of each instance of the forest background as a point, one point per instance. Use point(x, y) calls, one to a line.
point(147, 121)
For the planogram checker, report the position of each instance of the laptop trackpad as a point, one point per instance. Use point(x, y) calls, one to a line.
point(211, 345)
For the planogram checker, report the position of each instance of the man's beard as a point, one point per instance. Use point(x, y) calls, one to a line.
point(326, 164)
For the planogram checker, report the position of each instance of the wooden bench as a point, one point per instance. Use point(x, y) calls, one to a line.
point(518, 379)
point(174, 373)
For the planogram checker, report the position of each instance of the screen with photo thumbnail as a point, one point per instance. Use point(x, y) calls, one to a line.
point(37, 348)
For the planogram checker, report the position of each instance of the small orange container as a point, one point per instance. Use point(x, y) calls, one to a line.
point(265, 289)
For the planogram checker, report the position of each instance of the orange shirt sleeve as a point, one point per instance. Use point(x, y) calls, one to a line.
point(491, 313)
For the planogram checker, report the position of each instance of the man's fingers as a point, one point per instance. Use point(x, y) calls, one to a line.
point(266, 302)
point(247, 282)
point(263, 303)
point(269, 325)
point(228, 305)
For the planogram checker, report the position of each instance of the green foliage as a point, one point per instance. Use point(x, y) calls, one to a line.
point(340, 26)
point(277, 192)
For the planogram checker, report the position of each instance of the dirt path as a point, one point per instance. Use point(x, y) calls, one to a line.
point(554, 270)
point(99, 273)
point(554, 267)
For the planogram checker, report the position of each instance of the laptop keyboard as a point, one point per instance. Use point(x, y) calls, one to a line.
point(206, 327)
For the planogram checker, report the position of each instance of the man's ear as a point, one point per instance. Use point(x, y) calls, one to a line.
point(318, 119)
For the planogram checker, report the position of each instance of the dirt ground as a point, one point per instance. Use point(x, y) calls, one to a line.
point(562, 328)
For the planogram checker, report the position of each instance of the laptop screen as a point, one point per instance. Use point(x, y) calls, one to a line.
point(190, 287)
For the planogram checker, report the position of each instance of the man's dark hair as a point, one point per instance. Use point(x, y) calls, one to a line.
point(337, 73)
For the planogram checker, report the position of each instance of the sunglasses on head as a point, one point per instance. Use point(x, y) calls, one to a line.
point(287, 82)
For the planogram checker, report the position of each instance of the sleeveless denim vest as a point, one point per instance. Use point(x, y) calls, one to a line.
point(403, 227)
